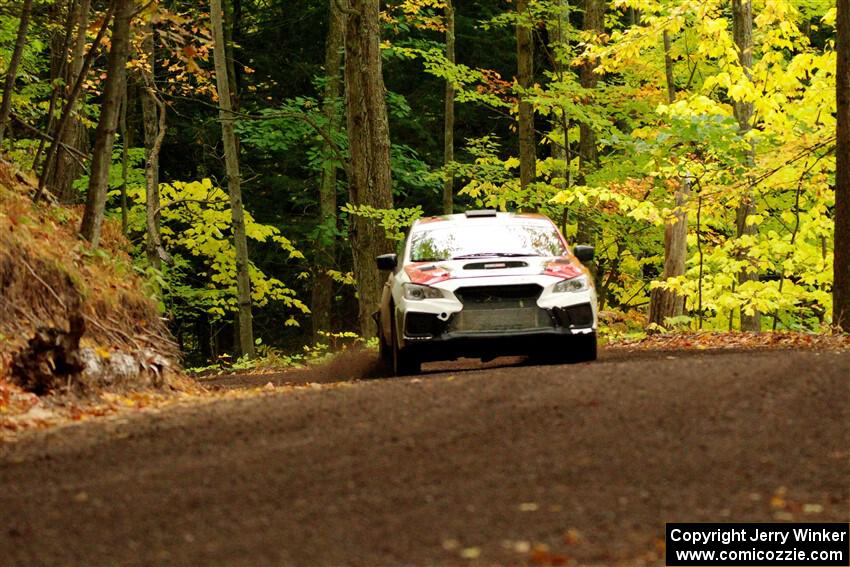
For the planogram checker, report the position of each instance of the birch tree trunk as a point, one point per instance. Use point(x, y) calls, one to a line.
point(113, 91)
point(841, 265)
point(322, 296)
point(742, 12)
point(525, 79)
point(12, 71)
point(449, 122)
point(231, 161)
point(370, 181)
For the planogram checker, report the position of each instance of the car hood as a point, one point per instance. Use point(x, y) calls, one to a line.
point(430, 273)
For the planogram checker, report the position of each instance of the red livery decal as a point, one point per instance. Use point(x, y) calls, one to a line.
point(562, 268)
point(426, 273)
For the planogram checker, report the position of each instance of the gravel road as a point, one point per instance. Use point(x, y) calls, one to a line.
point(500, 465)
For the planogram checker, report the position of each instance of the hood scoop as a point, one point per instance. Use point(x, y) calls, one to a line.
point(495, 265)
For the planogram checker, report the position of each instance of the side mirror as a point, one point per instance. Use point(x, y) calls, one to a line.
point(584, 253)
point(387, 262)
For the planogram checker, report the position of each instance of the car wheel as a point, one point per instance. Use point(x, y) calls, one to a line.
point(583, 348)
point(572, 349)
point(385, 353)
point(404, 362)
point(385, 357)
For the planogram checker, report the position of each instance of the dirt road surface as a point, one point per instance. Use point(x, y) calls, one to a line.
point(503, 465)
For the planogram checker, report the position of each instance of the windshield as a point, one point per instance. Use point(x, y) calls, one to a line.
point(484, 239)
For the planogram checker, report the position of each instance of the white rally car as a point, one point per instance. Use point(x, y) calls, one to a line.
point(486, 284)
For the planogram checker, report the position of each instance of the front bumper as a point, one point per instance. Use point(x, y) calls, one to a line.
point(434, 336)
point(570, 319)
point(494, 310)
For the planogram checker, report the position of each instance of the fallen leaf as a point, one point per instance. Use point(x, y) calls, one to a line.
point(522, 546)
point(541, 555)
point(572, 536)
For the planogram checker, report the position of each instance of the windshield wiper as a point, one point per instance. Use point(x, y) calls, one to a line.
point(495, 255)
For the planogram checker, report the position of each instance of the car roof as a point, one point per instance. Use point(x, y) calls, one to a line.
point(471, 218)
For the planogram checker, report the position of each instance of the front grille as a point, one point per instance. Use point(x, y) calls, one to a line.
point(500, 308)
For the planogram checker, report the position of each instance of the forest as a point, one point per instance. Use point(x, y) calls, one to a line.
point(258, 154)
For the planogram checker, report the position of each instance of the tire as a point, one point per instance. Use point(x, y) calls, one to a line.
point(404, 362)
point(385, 351)
point(573, 349)
point(583, 348)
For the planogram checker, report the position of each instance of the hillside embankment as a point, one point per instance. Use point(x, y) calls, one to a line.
point(74, 322)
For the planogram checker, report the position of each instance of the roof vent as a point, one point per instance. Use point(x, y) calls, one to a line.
point(480, 213)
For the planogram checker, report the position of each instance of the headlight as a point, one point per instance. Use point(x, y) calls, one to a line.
point(418, 292)
point(580, 283)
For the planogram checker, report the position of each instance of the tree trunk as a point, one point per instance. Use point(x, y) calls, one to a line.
point(841, 265)
point(154, 136)
point(326, 243)
point(231, 160)
point(370, 181)
point(666, 303)
point(125, 156)
point(75, 134)
point(79, 52)
point(67, 110)
point(558, 41)
point(153, 120)
point(232, 16)
point(12, 71)
point(525, 79)
point(594, 21)
point(668, 68)
point(449, 123)
point(742, 12)
point(113, 91)
point(57, 69)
